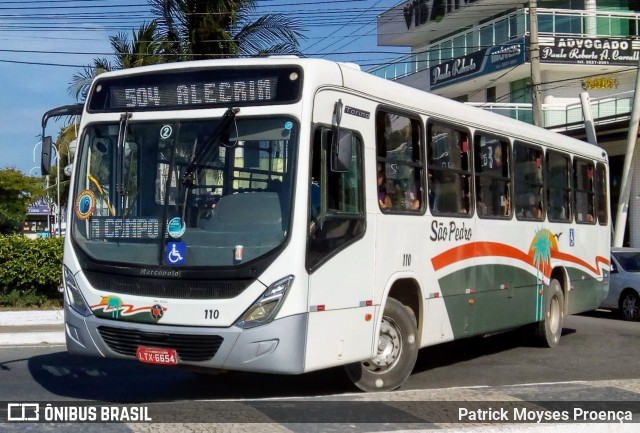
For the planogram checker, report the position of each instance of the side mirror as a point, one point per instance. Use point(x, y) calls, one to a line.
point(341, 150)
point(73, 147)
point(45, 160)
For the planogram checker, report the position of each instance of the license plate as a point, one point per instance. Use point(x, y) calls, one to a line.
point(156, 355)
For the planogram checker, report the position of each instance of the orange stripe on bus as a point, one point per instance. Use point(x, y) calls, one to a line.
point(494, 249)
point(573, 259)
point(477, 249)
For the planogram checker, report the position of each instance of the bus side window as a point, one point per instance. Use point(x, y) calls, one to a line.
point(528, 185)
point(449, 167)
point(336, 200)
point(584, 194)
point(492, 160)
point(399, 165)
point(558, 173)
point(602, 200)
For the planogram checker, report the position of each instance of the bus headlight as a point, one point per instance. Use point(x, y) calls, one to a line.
point(266, 307)
point(73, 296)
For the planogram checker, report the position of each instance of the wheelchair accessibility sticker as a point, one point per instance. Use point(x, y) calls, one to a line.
point(176, 253)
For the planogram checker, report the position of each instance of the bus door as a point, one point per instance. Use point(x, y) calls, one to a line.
point(497, 234)
point(452, 230)
point(339, 256)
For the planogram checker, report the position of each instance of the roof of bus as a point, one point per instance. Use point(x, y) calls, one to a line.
point(323, 72)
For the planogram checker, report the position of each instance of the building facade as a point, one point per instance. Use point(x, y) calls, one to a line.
point(479, 52)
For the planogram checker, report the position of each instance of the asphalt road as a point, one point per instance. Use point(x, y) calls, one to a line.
point(593, 347)
point(595, 366)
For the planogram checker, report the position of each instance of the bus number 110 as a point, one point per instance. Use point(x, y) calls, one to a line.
point(211, 314)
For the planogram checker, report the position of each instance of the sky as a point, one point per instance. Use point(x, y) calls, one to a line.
point(43, 43)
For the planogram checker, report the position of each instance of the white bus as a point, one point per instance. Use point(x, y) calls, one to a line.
point(286, 215)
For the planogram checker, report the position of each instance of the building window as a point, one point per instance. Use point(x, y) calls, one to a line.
point(520, 91)
point(491, 94)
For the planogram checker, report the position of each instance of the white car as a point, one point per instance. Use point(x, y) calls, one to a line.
point(624, 285)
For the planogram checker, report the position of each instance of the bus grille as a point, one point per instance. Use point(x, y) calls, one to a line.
point(167, 288)
point(189, 347)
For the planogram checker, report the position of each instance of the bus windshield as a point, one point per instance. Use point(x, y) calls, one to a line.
point(206, 192)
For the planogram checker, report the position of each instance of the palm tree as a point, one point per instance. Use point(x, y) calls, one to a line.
point(197, 29)
point(80, 81)
point(541, 260)
point(146, 48)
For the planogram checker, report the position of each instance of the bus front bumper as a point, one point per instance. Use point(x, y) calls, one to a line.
point(277, 347)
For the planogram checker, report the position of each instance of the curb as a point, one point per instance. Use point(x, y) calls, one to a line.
point(31, 318)
point(19, 328)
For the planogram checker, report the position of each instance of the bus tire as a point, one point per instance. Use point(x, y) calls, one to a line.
point(548, 331)
point(396, 355)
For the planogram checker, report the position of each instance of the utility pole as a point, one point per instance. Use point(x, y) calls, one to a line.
point(534, 57)
point(625, 185)
point(589, 127)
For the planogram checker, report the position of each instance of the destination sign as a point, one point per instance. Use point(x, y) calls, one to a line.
point(127, 228)
point(195, 94)
point(192, 89)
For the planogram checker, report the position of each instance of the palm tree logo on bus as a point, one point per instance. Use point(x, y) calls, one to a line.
point(541, 247)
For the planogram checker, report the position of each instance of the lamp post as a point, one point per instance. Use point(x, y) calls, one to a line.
point(33, 168)
point(46, 186)
point(58, 214)
point(34, 150)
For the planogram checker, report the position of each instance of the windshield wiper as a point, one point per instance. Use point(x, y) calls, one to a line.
point(222, 130)
point(122, 138)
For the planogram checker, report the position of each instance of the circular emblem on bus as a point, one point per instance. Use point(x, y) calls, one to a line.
point(288, 125)
point(85, 204)
point(166, 131)
point(157, 311)
point(176, 227)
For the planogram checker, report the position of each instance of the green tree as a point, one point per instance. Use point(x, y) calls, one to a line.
point(198, 29)
point(17, 192)
point(81, 81)
point(195, 29)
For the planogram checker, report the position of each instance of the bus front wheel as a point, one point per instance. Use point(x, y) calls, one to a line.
point(396, 353)
point(548, 331)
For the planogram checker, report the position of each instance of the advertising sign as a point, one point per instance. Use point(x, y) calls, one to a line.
point(590, 51)
point(478, 63)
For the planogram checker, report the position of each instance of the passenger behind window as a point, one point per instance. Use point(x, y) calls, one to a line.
point(412, 199)
point(481, 206)
point(383, 198)
point(535, 208)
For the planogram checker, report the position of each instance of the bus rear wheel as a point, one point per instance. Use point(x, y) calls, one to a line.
point(396, 355)
point(548, 331)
